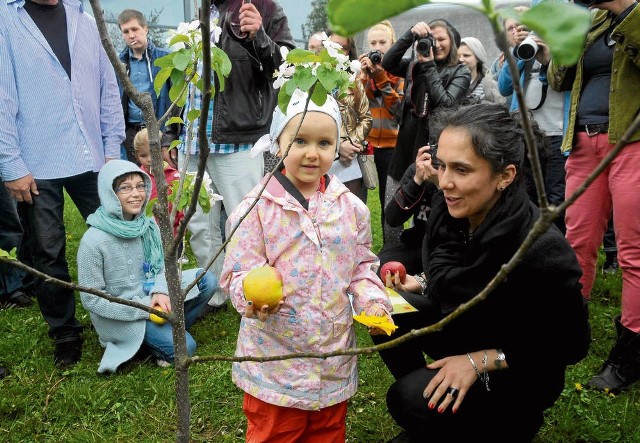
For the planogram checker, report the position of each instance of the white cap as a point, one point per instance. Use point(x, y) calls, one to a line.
point(269, 142)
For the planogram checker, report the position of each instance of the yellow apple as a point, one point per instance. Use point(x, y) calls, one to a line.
point(154, 318)
point(263, 286)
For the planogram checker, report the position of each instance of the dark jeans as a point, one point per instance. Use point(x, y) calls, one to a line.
point(45, 219)
point(10, 237)
point(555, 181)
point(382, 158)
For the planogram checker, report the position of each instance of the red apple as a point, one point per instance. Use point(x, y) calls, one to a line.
point(393, 267)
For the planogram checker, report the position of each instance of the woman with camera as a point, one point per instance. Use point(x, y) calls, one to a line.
point(433, 79)
point(385, 93)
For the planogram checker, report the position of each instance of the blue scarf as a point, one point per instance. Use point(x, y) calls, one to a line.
point(144, 227)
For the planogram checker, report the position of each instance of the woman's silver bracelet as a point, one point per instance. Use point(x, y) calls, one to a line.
point(422, 281)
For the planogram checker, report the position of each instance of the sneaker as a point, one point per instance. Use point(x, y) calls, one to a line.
point(163, 363)
point(67, 352)
point(610, 265)
point(16, 299)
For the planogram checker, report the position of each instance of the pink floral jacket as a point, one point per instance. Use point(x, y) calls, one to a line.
point(324, 254)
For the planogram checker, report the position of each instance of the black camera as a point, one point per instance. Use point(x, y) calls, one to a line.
point(433, 150)
point(375, 57)
point(424, 45)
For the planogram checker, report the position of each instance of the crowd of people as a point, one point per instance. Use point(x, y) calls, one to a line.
point(443, 129)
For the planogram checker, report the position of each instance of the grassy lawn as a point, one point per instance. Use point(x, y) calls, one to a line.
point(41, 403)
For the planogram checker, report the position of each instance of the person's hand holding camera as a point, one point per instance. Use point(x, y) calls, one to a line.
point(422, 30)
point(371, 67)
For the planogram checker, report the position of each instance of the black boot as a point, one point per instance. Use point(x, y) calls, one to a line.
point(622, 368)
point(610, 265)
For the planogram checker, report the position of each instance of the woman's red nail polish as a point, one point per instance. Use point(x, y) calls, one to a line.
point(431, 406)
point(440, 410)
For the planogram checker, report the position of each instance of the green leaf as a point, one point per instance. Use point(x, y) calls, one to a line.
point(10, 255)
point(319, 95)
point(297, 55)
point(173, 144)
point(193, 114)
point(166, 61)
point(182, 59)
point(179, 38)
point(173, 120)
point(346, 17)
point(563, 26)
point(291, 86)
point(203, 200)
point(303, 78)
point(161, 78)
point(184, 200)
point(149, 209)
point(222, 60)
point(283, 99)
point(328, 77)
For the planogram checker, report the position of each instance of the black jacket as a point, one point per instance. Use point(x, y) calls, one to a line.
point(427, 86)
point(538, 316)
point(243, 110)
point(411, 200)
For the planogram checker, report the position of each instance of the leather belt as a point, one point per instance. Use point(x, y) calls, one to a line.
point(594, 129)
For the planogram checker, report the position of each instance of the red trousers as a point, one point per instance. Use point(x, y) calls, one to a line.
point(278, 424)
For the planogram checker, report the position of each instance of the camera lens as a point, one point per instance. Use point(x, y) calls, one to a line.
point(527, 49)
point(424, 45)
point(375, 57)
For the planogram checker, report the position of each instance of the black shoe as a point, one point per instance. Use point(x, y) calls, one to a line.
point(67, 352)
point(622, 367)
point(17, 299)
point(3, 372)
point(610, 265)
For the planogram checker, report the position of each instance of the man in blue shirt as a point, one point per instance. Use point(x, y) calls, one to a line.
point(139, 58)
point(60, 121)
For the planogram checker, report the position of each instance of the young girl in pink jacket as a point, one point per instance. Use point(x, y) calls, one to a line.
point(317, 234)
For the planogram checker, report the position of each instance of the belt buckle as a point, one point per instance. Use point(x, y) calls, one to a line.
point(590, 134)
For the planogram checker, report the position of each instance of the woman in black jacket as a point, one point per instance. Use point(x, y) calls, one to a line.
point(433, 79)
point(499, 365)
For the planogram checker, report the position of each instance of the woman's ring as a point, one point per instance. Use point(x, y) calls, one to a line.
point(453, 392)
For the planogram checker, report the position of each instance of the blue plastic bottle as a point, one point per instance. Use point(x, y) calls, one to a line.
point(149, 280)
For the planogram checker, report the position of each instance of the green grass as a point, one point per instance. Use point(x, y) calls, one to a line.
point(41, 403)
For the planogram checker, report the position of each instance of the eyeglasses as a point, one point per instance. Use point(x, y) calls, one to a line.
point(127, 189)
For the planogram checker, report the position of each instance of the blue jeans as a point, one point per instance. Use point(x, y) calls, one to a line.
point(159, 338)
